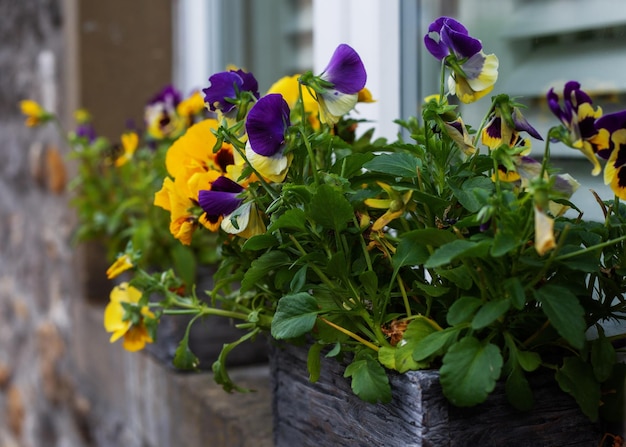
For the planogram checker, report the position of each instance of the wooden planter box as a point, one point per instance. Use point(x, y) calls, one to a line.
point(327, 413)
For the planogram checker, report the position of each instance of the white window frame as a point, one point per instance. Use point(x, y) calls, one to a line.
point(372, 28)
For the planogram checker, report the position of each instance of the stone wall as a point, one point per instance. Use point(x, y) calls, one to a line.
point(61, 382)
point(38, 396)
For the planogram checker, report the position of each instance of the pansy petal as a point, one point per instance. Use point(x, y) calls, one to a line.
point(460, 42)
point(216, 203)
point(481, 71)
point(225, 184)
point(521, 124)
point(544, 232)
point(615, 169)
point(432, 39)
point(334, 104)
point(222, 86)
point(459, 134)
point(266, 124)
point(345, 70)
point(273, 168)
point(249, 84)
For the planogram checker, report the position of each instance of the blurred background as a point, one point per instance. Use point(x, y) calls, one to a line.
point(61, 382)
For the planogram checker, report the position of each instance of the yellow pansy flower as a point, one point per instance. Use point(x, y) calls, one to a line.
point(117, 320)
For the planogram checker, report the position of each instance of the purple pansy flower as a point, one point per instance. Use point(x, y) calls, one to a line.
point(339, 84)
point(224, 202)
point(86, 131)
point(266, 126)
point(225, 87)
point(446, 36)
point(168, 95)
point(578, 117)
point(345, 71)
point(222, 199)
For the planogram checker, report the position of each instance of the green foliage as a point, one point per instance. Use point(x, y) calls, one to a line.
point(369, 380)
point(423, 252)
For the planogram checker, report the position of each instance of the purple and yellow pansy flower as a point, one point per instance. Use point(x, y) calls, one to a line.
point(578, 117)
point(457, 130)
point(612, 136)
point(473, 73)
point(504, 126)
point(161, 116)
point(266, 127)
point(225, 203)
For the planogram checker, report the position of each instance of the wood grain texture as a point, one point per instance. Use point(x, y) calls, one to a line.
point(328, 414)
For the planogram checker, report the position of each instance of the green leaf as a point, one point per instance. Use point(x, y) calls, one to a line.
point(313, 362)
point(462, 310)
point(456, 249)
point(369, 282)
point(352, 164)
point(577, 378)
point(503, 242)
point(184, 263)
point(515, 291)
point(260, 242)
point(369, 380)
point(469, 371)
point(299, 279)
point(528, 360)
point(489, 313)
point(261, 267)
point(416, 330)
point(338, 265)
point(434, 344)
point(565, 313)
point(183, 357)
point(588, 262)
point(410, 251)
point(335, 351)
point(474, 193)
point(387, 357)
point(431, 237)
point(603, 357)
point(399, 164)
point(295, 315)
point(329, 208)
point(518, 391)
point(292, 219)
point(220, 373)
point(460, 276)
point(431, 290)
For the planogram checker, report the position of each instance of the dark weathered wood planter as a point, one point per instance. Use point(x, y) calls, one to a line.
point(327, 413)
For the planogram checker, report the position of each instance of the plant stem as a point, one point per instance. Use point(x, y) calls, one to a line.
point(315, 268)
point(350, 334)
point(405, 298)
point(306, 141)
point(588, 249)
